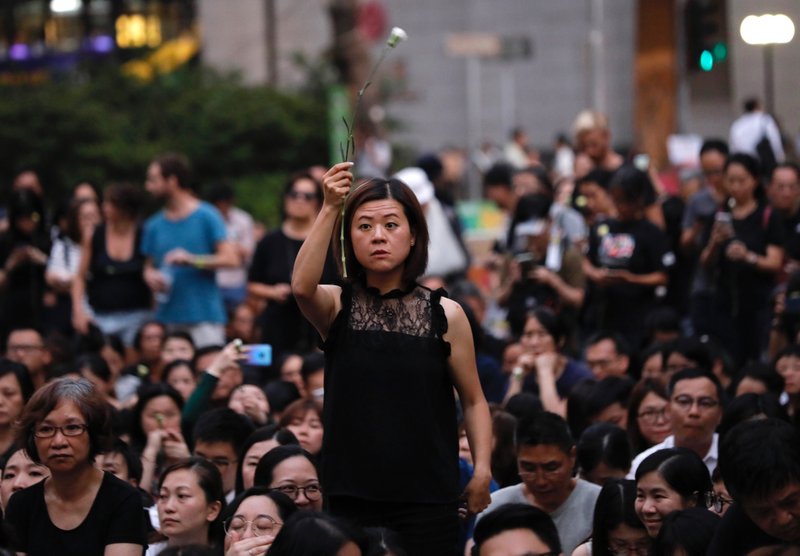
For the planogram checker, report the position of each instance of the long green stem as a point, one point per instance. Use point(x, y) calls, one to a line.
point(351, 142)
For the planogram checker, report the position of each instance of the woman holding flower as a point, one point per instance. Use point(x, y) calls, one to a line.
point(394, 352)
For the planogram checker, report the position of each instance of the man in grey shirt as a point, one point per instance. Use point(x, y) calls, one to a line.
point(546, 462)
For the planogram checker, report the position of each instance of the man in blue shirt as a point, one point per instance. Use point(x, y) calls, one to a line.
point(185, 243)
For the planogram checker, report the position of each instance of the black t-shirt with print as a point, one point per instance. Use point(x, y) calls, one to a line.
point(637, 246)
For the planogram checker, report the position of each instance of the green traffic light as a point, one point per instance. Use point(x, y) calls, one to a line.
point(720, 51)
point(706, 60)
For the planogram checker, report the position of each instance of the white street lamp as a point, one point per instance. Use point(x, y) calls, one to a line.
point(767, 30)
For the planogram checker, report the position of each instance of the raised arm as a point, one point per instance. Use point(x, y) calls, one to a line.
point(321, 303)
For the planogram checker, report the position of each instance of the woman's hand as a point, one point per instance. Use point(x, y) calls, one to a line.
point(253, 546)
point(230, 355)
point(80, 320)
point(476, 495)
point(736, 251)
point(336, 184)
point(174, 445)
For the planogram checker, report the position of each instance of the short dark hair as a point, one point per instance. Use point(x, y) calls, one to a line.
point(759, 457)
point(219, 192)
point(603, 443)
point(499, 175)
point(545, 428)
point(268, 432)
point(589, 397)
point(126, 198)
point(375, 190)
point(307, 532)
point(682, 469)
point(175, 165)
point(787, 166)
point(266, 466)
point(552, 322)
point(223, 425)
point(86, 398)
point(9, 367)
point(715, 145)
point(312, 363)
point(517, 516)
point(750, 406)
point(632, 183)
point(132, 461)
point(749, 163)
point(750, 104)
point(280, 394)
point(137, 339)
point(614, 507)
point(177, 364)
point(761, 372)
point(691, 348)
point(614, 337)
point(687, 531)
point(601, 178)
point(689, 374)
point(286, 507)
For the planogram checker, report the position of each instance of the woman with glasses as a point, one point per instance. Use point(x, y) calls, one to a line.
point(79, 509)
point(190, 501)
point(667, 481)
point(291, 470)
point(648, 420)
point(253, 520)
point(282, 325)
point(616, 529)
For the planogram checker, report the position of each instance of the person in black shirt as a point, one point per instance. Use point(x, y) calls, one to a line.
point(783, 193)
point(394, 352)
point(627, 261)
point(744, 255)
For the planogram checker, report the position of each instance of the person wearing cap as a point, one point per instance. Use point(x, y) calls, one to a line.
point(446, 255)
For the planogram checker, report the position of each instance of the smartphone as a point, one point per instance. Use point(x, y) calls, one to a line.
point(725, 221)
point(260, 355)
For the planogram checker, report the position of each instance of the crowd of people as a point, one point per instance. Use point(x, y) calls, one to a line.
point(618, 374)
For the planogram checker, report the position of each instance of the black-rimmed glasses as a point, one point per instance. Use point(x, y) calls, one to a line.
point(49, 431)
point(312, 492)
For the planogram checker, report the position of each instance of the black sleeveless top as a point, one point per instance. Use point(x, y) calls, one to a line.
point(389, 414)
point(114, 285)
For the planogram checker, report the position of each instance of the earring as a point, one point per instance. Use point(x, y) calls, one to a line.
point(412, 243)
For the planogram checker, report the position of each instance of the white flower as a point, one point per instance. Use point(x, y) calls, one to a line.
point(397, 36)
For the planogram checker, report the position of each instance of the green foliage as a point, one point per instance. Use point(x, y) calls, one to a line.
point(107, 128)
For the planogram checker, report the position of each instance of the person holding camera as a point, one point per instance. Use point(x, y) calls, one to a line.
point(744, 254)
point(545, 270)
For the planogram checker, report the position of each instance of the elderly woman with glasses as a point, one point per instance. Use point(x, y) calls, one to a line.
point(79, 509)
point(253, 520)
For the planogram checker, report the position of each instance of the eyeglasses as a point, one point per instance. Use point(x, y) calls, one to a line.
point(716, 502)
point(23, 348)
point(600, 363)
point(686, 402)
point(302, 195)
point(260, 526)
point(312, 492)
point(622, 548)
point(652, 416)
point(222, 463)
point(530, 470)
point(49, 431)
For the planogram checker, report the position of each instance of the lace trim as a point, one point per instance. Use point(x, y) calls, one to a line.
point(408, 314)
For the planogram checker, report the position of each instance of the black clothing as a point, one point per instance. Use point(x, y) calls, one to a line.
point(114, 285)
point(737, 535)
point(22, 296)
point(282, 324)
point(639, 247)
point(116, 516)
point(740, 301)
point(390, 418)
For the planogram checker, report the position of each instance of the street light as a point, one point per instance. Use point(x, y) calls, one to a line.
point(767, 30)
